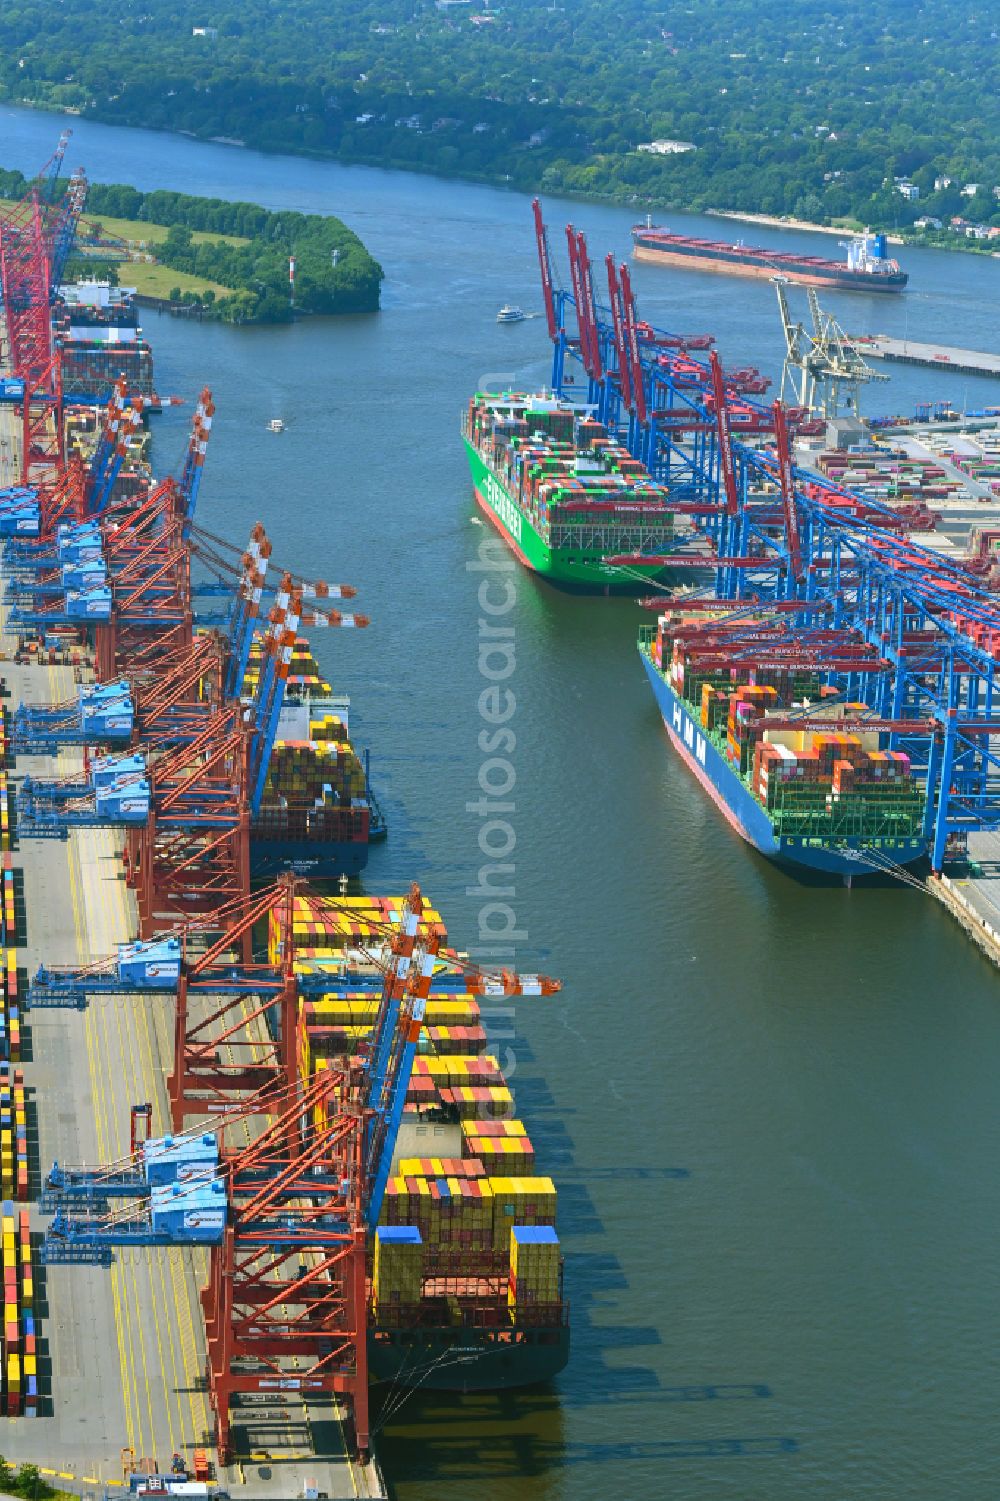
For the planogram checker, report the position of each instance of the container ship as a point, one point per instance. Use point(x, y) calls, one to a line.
point(867, 268)
point(97, 333)
point(83, 426)
point(563, 494)
point(465, 1272)
point(832, 801)
point(318, 815)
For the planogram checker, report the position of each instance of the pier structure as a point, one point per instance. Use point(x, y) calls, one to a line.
point(934, 356)
point(118, 1375)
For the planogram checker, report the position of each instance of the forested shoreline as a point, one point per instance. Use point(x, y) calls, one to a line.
point(874, 110)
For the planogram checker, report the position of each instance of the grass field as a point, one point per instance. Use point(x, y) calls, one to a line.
point(158, 281)
point(153, 280)
point(138, 229)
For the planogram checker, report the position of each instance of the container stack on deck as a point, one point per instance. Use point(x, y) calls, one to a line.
point(449, 1224)
point(100, 341)
point(316, 789)
point(813, 783)
point(132, 482)
point(564, 469)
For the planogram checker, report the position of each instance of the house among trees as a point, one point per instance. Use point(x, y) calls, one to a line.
point(667, 148)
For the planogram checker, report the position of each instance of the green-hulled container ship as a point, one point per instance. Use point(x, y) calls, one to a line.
point(563, 494)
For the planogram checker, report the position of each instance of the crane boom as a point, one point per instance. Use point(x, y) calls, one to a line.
point(614, 293)
point(576, 280)
point(632, 344)
point(725, 439)
point(788, 500)
point(587, 292)
point(545, 267)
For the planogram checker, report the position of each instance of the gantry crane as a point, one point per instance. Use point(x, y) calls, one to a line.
point(801, 542)
point(288, 1219)
point(822, 369)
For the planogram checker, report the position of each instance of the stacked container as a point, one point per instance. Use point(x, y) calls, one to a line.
point(83, 427)
point(19, 1350)
point(316, 792)
point(566, 473)
point(521, 1201)
point(503, 1147)
point(457, 1212)
point(30, 1360)
point(468, 1101)
point(453, 1069)
point(13, 1134)
point(10, 1020)
point(397, 1271)
point(813, 783)
point(328, 926)
point(534, 1265)
point(453, 1213)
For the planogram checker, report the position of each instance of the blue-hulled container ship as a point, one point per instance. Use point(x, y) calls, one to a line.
point(823, 798)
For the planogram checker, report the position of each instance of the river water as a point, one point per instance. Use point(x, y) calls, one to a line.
point(771, 1107)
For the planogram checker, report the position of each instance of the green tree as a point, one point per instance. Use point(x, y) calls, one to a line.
point(30, 1483)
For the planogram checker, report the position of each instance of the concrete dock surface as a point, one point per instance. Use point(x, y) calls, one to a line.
point(125, 1345)
point(939, 356)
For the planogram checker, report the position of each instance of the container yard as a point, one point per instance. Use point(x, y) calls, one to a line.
point(939, 481)
point(253, 1150)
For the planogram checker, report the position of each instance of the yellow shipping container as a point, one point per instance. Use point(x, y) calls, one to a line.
point(510, 1128)
point(521, 1201)
point(397, 1275)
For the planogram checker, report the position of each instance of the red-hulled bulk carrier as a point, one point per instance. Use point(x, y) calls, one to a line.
point(866, 269)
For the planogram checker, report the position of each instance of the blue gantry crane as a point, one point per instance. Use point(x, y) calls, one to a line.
point(181, 787)
point(785, 538)
point(174, 1193)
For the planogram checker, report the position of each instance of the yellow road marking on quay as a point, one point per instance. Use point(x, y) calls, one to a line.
point(130, 1043)
point(126, 1347)
point(113, 1014)
point(154, 1031)
point(149, 1011)
point(125, 1052)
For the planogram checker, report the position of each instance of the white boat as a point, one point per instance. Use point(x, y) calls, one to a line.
point(510, 314)
point(276, 425)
